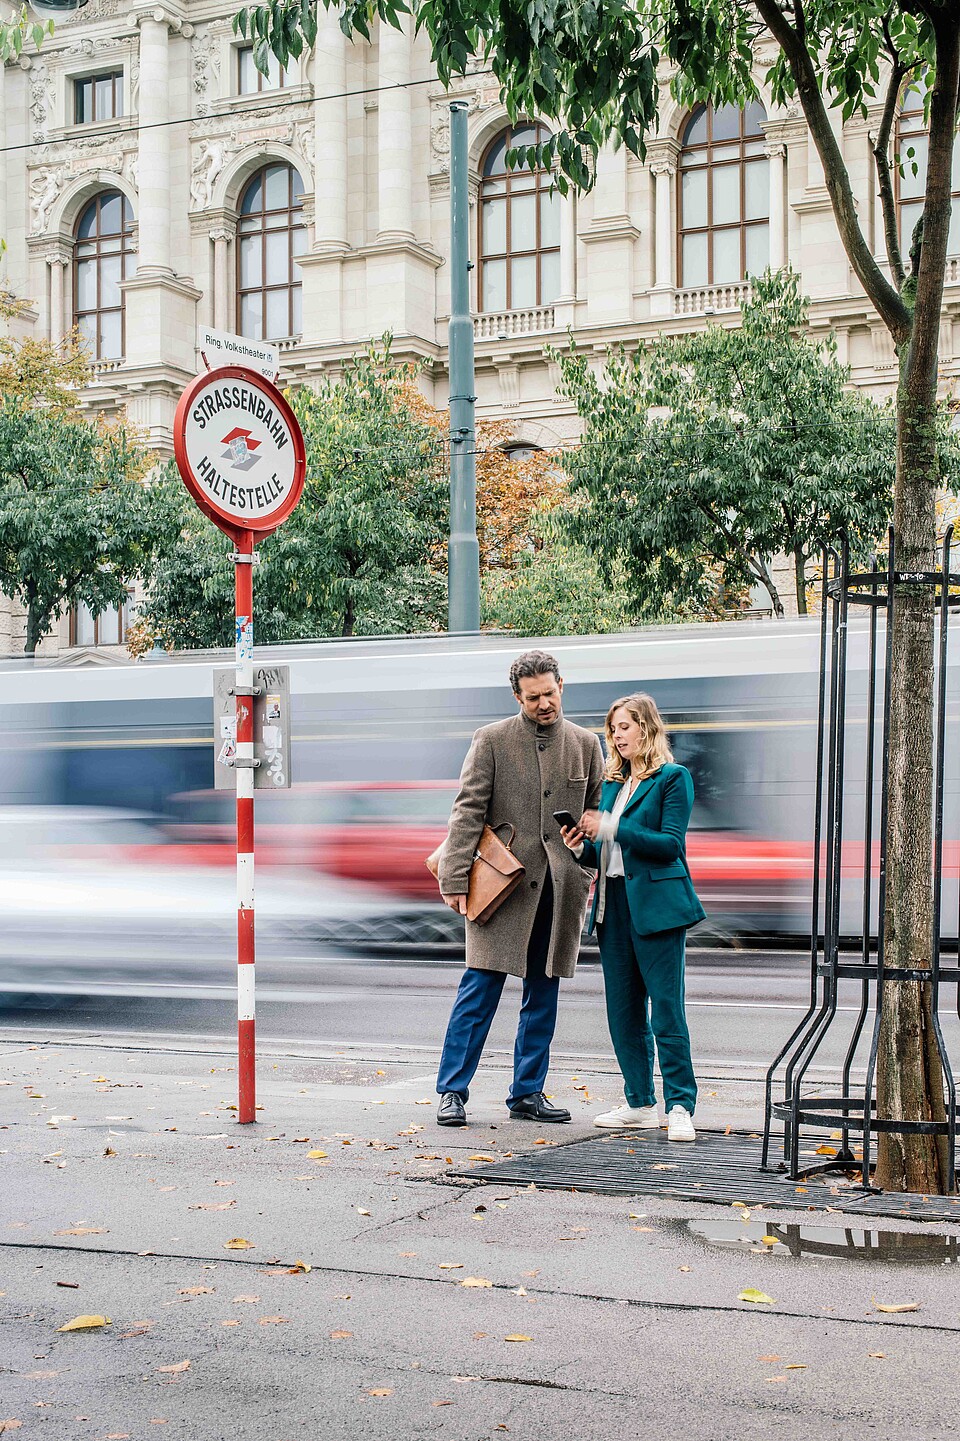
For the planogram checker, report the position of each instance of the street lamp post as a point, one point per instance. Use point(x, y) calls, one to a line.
point(463, 583)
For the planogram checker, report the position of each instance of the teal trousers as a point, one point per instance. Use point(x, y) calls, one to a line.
point(643, 980)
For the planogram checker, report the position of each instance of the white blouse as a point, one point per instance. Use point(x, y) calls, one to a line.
point(608, 827)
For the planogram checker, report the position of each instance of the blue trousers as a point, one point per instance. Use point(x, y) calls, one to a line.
point(476, 1005)
point(643, 980)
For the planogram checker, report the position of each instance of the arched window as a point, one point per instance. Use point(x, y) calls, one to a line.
point(724, 196)
point(271, 233)
point(519, 228)
point(103, 257)
point(912, 144)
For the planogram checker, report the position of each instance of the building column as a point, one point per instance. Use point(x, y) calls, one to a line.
point(566, 300)
point(395, 183)
point(221, 279)
point(330, 135)
point(321, 268)
point(58, 267)
point(161, 306)
point(3, 156)
point(154, 162)
point(776, 155)
point(610, 239)
point(663, 173)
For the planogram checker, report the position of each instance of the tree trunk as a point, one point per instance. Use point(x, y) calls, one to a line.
point(762, 572)
point(800, 571)
point(909, 1079)
point(37, 624)
point(349, 616)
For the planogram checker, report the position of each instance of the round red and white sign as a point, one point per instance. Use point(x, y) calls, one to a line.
point(239, 450)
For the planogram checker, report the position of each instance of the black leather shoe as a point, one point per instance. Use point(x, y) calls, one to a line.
point(536, 1108)
point(451, 1111)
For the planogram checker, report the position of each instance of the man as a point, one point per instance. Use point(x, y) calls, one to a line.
point(519, 771)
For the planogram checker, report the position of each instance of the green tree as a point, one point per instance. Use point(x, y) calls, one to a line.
point(77, 522)
point(554, 589)
point(15, 32)
point(592, 70)
point(360, 555)
point(707, 454)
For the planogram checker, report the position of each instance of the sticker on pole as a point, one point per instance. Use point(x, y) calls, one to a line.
point(239, 450)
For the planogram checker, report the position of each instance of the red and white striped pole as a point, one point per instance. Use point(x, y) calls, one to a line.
point(244, 762)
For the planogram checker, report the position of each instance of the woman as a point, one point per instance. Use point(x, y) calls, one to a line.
point(644, 904)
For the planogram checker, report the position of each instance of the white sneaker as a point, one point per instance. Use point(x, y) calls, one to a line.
point(680, 1125)
point(642, 1118)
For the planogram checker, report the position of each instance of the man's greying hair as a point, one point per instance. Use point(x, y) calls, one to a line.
point(531, 663)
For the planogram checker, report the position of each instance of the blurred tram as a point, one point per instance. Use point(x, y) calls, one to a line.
point(381, 727)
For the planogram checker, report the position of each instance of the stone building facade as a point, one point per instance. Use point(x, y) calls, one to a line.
point(151, 181)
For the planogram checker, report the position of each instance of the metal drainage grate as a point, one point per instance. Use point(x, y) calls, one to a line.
point(716, 1168)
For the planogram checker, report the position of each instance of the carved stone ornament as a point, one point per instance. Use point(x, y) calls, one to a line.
point(210, 158)
point(304, 140)
point(45, 186)
point(206, 70)
point(41, 99)
point(440, 140)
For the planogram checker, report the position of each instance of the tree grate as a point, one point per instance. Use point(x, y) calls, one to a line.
point(717, 1168)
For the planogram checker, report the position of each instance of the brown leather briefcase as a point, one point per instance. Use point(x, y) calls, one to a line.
point(494, 875)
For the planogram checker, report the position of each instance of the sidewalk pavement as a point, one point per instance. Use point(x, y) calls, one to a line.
point(430, 1309)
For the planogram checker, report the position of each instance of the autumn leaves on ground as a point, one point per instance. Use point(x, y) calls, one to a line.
point(317, 1275)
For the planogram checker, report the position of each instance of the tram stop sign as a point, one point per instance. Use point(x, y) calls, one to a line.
point(239, 450)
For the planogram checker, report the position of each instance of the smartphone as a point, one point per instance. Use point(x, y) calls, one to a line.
point(564, 818)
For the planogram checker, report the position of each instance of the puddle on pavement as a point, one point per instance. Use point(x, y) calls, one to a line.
point(849, 1242)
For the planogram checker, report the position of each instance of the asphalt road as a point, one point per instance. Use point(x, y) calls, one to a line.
point(741, 1007)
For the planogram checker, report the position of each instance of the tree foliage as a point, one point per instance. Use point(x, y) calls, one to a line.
point(360, 553)
point(705, 455)
point(16, 32)
point(77, 522)
point(365, 551)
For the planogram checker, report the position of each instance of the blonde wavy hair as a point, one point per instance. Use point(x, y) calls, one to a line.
point(654, 747)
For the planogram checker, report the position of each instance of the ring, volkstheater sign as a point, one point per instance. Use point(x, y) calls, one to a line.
point(239, 450)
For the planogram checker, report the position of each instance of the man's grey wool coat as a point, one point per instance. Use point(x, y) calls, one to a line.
point(519, 772)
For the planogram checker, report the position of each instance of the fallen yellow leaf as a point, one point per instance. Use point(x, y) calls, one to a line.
point(10, 1425)
point(483, 1158)
point(238, 1243)
point(796, 1366)
point(826, 1151)
point(475, 1281)
point(272, 1320)
point(180, 1366)
point(381, 1391)
point(518, 1338)
point(340, 1335)
point(316, 1155)
point(451, 1265)
point(245, 1300)
point(895, 1310)
point(758, 1298)
point(769, 1240)
point(85, 1323)
point(196, 1291)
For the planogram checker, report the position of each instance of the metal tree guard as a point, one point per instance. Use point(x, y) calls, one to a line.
point(849, 1112)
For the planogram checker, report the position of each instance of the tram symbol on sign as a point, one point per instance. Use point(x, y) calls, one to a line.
point(240, 448)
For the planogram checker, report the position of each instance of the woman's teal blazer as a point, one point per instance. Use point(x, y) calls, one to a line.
point(651, 834)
